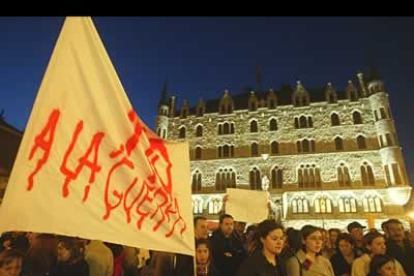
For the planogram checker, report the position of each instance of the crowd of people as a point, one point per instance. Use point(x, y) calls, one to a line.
point(262, 249)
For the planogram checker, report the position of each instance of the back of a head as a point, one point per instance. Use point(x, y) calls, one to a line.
point(293, 240)
point(9, 255)
point(377, 262)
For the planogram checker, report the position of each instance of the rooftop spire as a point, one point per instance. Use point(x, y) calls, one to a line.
point(372, 70)
point(164, 96)
point(259, 78)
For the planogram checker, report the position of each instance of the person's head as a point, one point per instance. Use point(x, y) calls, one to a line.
point(325, 238)
point(355, 229)
point(6, 240)
point(293, 239)
point(375, 243)
point(271, 236)
point(11, 261)
point(251, 229)
point(395, 230)
point(239, 226)
point(202, 251)
point(382, 265)
point(345, 244)
point(384, 228)
point(333, 235)
point(311, 238)
point(226, 224)
point(410, 237)
point(69, 250)
point(200, 227)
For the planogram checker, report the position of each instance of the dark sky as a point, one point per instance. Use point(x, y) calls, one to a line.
point(202, 56)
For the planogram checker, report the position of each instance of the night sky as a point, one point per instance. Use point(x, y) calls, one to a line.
point(202, 56)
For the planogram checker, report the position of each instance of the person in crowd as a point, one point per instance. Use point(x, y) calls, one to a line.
point(41, 257)
point(204, 264)
point(131, 261)
point(70, 259)
point(293, 242)
point(375, 245)
point(200, 228)
point(308, 261)
point(399, 247)
point(99, 258)
point(356, 230)
point(344, 257)
point(227, 248)
point(11, 261)
point(327, 248)
point(119, 257)
point(6, 241)
point(382, 265)
point(270, 238)
point(20, 241)
point(248, 243)
point(239, 227)
point(333, 236)
point(409, 235)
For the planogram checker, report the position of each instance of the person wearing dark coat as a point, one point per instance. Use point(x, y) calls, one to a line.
point(344, 257)
point(71, 261)
point(265, 261)
point(204, 264)
point(227, 248)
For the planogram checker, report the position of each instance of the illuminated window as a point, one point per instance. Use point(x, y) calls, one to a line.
point(367, 175)
point(197, 206)
point(214, 206)
point(343, 175)
point(372, 204)
point(323, 205)
point(300, 205)
point(347, 204)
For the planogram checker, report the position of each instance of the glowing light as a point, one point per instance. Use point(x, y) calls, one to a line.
point(399, 195)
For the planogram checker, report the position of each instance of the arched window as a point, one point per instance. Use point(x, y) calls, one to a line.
point(277, 178)
point(361, 142)
point(273, 124)
point(255, 179)
point(300, 205)
point(309, 176)
point(339, 143)
point(383, 114)
point(182, 132)
point(335, 119)
point(232, 128)
point(388, 139)
point(296, 123)
point(275, 147)
point(372, 204)
point(197, 206)
point(199, 131)
point(347, 204)
point(220, 129)
point(254, 149)
point(305, 145)
point(214, 206)
point(196, 181)
point(198, 151)
point(376, 115)
point(253, 126)
point(226, 128)
point(225, 178)
point(396, 173)
point(367, 175)
point(303, 123)
point(357, 118)
point(343, 175)
point(323, 205)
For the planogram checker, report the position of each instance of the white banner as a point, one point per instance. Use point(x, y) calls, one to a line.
point(239, 201)
point(88, 166)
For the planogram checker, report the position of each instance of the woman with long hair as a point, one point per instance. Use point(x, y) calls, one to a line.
point(270, 240)
point(70, 258)
point(308, 261)
point(204, 265)
point(382, 265)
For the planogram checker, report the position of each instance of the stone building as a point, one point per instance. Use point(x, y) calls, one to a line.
point(329, 157)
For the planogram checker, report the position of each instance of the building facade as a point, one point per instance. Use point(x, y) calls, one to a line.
point(329, 157)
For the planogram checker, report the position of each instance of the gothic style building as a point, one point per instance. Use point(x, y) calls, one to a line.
point(10, 138)
point(330, 156)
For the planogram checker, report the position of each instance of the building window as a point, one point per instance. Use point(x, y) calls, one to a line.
point(225, 178)
point(303, 122)
point(323, 205)
point(383, 114)
point(388, 139)
point(274, 147)
point(199, 131)
point(335, 120)
point(196, 182)
point(273, 125)
point(372, 204)
point(347, 204)
point(254, 149)
point(253, 126)
point(309, 176)
point(198, 151)
point(376, 115)
point(277, 178)
point(361, 142)
point(343, 175)
point(357, 118)
point(182, 132)
point(305, 146)
point(226, 151)
point(214, 206)
point(300, 205)
point(396, 173)
point(226, 128)
point(387, 175)
point(255, 179)
point(197, 206)
point(367, 175)
point(339, 143)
